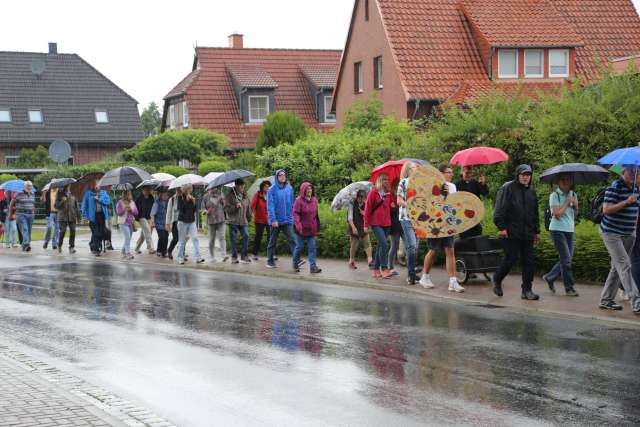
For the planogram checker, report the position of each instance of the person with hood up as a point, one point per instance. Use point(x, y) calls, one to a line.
point(517, 218)
point(236, 206)
point(96, 205)
point(280, 215)
point(307, 224)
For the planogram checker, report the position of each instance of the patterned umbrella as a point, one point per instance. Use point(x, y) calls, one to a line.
point(348, 194)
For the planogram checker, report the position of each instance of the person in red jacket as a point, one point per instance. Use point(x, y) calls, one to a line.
point(307, 226)
point(260, 216)
point(377, 215)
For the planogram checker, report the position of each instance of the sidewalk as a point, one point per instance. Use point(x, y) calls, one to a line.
point(478, 292)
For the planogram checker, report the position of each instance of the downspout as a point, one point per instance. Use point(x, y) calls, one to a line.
point(415, 108)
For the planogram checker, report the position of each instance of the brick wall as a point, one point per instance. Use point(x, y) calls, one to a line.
point(82, 154)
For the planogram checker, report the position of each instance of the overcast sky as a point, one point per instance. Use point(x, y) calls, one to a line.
point(146, 47)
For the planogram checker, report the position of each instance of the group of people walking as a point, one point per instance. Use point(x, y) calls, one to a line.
point(275, 210)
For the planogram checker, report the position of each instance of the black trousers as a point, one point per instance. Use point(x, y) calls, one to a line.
point(515, 249)
point(72, 233)
point(473, 232)
point(257, 240)
point(163, 240)
point(97, 230)
point(174, 237)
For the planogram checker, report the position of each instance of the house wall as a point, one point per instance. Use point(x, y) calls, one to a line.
point(82, 153)
point(368, 40)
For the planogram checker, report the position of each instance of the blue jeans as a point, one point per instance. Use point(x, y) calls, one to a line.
point(52, 231)
point(411, 245)
point(382, 250)
point(234, 229)
point(311, 248)
point(10, 232)
point(25, 222)
point(563, 243)
point(126, 233)
point(635, 262)
point(287, 229)
point(187, 229)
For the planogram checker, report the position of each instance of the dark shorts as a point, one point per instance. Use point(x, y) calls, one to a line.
point(441, 244)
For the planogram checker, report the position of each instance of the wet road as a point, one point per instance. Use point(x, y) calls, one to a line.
point(212, 349)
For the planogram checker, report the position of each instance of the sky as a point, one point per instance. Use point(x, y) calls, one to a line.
point(146, 47)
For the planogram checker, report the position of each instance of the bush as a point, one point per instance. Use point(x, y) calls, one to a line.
point(173, 146)
point(174, 170)
point(280, 128)
point(365, 116)
point(213, 164)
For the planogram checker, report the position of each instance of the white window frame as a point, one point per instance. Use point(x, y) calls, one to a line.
point(35, 122)
point(101, 122)
point(172, 116)
point(14, 158)
point(254, 120)
point(8, 111)
point(529, 52)
point(327, 110)
point(567, 56)
point(185, 115)
point(507, 76)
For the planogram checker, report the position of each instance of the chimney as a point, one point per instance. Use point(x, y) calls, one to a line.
point(53, 48)
point(235, 41)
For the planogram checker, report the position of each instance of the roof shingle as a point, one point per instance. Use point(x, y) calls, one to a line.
point(321, 76)
point(251, 76)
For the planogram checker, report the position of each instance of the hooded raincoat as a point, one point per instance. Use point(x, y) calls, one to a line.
point(280, 202)
point(516, 208)
point(305, 213)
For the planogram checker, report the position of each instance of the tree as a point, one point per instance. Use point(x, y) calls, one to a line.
point(150, 119)
point(365, 116)
point(174, 170)
point(280, 128)
point(213, 164)
point(31, 158)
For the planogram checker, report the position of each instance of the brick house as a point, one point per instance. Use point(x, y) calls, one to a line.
point(232, 89)
point(49, 96)
point(419, 53)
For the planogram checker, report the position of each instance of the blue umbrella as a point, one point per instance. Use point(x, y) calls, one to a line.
point(622, 156)
point(14, 186)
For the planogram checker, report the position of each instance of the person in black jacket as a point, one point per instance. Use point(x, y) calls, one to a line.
point(474, 186)
point(517, 218)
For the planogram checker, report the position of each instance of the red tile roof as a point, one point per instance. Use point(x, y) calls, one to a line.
point(437, 56)
point(521, 23)
point(251, 76)
point(213, 103)
point(321, 76)
point(181, 87)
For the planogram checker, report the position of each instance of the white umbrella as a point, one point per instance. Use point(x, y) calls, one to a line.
point(213, 175)
point(348, 194)
point(188, 179)
point(256, 185)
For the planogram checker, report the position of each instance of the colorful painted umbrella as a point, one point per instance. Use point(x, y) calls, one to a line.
point(479, 156)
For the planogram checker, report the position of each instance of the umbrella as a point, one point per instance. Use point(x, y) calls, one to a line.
point(256, 185)
point(124, 175)
point(152, 182)
point(418, 162)
point(187, 179)
point(122, 187)
point(162, 176)
point(213, 175)
point(13, 186)
point(580, 173)
point(479, 156)
point(228, 177)
point(348, 194)
point(61, 183)
point(392, 168)
point(616, 169)
point(622, 156)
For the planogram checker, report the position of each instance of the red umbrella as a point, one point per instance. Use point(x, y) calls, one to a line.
point(479, 156)
point(391, 168)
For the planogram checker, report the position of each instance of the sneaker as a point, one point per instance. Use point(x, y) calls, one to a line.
point(636, 311)
point(71, 250)
point(200, 261)
point(151, 252)
point(271, 265)
point(296, 269)
point(552, 286)
point(170, 256)
point(572, 293)
point(245, 260)
point(181, 262)
point(255, 258)
point(386, 274)
point(425, 282)
point(411, 281)
point(497, 288)
point(54, 247)
point(315, 270)
point(225, 259)
point(234, 261)
point(530, 296)
point(454, 286)
point(610, 305)
point(44, 246)
point(28, 249)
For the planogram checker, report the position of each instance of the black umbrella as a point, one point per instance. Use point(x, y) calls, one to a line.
point(62, 182)
point(580, 173)
point(228, 177)
point(150, 183)
point(124, 175)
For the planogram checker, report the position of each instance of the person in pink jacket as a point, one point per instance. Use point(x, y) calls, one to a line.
point(307, 226)
point(127, 211)
point(377, 215)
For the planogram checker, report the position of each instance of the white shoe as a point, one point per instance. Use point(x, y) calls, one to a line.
point(454, 286)
point(425, 282)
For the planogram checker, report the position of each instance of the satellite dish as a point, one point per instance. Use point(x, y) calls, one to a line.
point(37, 67)
point(59, 151)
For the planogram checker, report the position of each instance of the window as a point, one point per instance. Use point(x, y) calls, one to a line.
point(329, 117)
point(507, 63)
point(185, 115)
point(5, 116)
point(558, 63)
point(377, 72)
point(258, 109)
point(366, 10)
point(358, 77)
point(35, 116)
point(533, 63)
point(10, 160)
point(102, 116)
point(172, 116)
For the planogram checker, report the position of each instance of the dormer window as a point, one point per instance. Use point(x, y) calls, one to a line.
point(5, 115)
point(102, 117)
point(35, 116)
point(533, 63)
point(508, 63)
point(558, 63)
point(329, 117)
point(258, 108)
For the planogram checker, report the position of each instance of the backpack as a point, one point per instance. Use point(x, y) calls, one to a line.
point(595, 214)
point(548, 215)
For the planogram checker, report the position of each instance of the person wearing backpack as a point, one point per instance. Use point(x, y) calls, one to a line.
point(563, 203)
point(618, 232)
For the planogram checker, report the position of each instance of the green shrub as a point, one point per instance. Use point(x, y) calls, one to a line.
point(174, 170)
point(6, 177)
point(173, 146)
point(214, 164)
point(280, 128)
point(367, 115)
